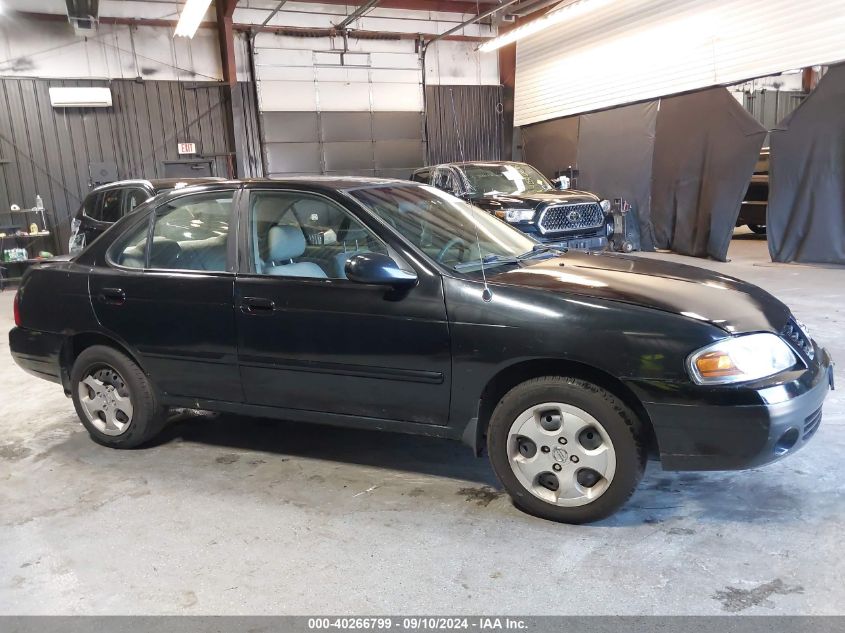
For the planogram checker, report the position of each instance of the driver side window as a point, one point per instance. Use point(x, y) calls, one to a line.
point(298, 234)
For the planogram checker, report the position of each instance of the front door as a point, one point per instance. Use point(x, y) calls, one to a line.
point(167, 294)
point(309, 339)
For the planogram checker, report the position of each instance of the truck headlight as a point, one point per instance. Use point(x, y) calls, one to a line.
point(740, 359)
point(605, 206)
point(519, 215)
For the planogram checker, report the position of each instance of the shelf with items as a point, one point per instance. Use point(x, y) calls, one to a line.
point(20, 246)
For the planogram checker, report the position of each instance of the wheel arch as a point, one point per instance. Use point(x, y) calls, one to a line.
point(77, 343)
point(512, 375)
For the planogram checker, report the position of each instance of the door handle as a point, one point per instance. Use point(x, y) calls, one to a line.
point(114, 296)
point(257, 305)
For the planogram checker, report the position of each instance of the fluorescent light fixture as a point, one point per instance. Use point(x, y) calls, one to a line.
point(568, 10)
point(192, 15)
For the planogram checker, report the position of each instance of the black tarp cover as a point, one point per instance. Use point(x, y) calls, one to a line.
point(551, 146)
point(806, 214)
point(615, 149)
point(705, 150)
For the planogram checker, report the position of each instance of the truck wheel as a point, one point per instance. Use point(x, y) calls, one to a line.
point(114, 399)
point(566, 449)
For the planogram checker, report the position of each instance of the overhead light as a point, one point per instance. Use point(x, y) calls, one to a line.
point(192, 15)
point(565, 11)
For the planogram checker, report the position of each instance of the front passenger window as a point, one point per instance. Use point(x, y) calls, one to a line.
point(297, 234)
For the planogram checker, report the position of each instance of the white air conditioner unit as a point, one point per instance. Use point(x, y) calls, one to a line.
point(71, 97)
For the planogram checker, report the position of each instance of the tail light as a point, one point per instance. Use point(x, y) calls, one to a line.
point(17, 309)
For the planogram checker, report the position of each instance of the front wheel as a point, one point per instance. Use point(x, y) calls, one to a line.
point(566, 449)
point(114, 399)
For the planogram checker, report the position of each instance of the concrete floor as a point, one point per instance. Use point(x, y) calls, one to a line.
point(245, 516)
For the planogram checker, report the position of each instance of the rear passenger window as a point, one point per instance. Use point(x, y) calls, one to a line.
point(110, 208)
point(132, 198)
point(189, 233)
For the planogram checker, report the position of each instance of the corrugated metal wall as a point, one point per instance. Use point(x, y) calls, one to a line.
point(622, 52)
point(463, 123)
point(50, 151)
point(770, 107)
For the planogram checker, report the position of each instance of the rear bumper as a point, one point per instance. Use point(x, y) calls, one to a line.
point(37, 352)
point(730, 428)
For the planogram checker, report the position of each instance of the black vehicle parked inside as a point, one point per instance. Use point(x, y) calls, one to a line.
point(522, 196)
point(105, 205)
point(395, 306)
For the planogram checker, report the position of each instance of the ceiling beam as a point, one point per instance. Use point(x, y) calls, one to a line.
point(225, 9)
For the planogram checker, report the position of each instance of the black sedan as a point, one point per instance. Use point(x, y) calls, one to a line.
point(395, 306)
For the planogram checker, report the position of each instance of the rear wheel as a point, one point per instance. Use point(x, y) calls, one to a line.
point(566, 449)
point(114, 399)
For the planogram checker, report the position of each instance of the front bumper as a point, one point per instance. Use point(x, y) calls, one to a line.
point(595, 243)
point(731, 428)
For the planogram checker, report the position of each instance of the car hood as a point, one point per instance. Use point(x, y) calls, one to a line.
point(535, 200)
point(725, 302)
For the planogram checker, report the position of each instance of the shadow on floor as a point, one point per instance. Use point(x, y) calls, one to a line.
point(397, 451)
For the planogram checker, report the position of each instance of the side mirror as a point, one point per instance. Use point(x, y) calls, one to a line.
point(375, 268)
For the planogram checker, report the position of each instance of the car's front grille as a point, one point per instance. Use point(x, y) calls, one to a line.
point(571, 217)
point(811, 423)
point(793, 332)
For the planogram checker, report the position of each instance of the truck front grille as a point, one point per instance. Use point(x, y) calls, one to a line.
point(571, 217)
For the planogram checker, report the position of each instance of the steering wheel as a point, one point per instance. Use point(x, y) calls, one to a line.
point(455, 241)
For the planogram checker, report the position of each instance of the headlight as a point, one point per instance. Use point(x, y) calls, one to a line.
point(605, 206)
point(519, 215)
point(740, 359)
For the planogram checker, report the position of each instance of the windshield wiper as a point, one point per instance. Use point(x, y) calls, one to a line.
point(487, 260)
point(540, 249)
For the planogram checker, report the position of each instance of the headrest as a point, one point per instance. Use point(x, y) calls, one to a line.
point(285, 242)
point(267, 209)
point(164, 253)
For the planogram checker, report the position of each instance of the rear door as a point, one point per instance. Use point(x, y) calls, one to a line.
point(166, 292)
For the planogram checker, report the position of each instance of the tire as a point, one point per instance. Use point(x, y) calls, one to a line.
point(759, 229)
point(127, 411)
point(583, 408)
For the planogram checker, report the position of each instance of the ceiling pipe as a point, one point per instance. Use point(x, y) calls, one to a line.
point(357, 13)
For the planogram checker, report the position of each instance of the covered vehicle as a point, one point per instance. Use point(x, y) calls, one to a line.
point(522, 196)
point(395, 306)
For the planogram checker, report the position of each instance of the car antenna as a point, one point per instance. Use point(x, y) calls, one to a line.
point(486, 294)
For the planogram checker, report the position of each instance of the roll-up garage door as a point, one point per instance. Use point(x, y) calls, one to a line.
point(354, 113)
point(613, 52)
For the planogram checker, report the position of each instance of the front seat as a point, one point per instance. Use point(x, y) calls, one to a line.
point(286, 243)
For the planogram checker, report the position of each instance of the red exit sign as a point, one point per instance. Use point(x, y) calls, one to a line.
point(187, 148)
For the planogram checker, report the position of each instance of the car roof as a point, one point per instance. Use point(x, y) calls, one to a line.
point(158, 184)
point(466, 163)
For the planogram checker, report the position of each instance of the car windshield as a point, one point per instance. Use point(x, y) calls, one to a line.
point(509, 178)
point(449, 230)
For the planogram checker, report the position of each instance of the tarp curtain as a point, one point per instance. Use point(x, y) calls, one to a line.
point(704, 155)
point(615, 149)
point(551, 146)
point(684, 163)
point(806, 213)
